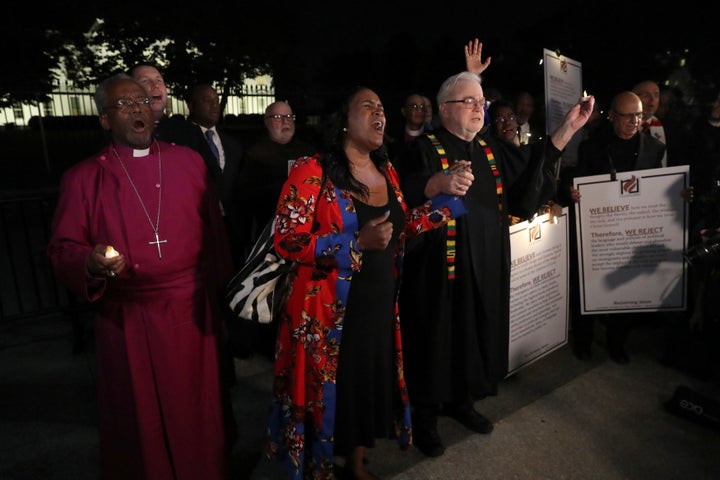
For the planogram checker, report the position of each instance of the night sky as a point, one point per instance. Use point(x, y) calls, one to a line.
point(618, 42)
point(401, 47)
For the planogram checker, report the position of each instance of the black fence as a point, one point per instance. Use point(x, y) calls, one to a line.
point(28, 288)
point(67, 101)
point(35, 157)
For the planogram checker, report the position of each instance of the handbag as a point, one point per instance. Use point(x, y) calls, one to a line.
point(259, 290)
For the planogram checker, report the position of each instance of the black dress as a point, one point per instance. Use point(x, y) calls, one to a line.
point(366, 395)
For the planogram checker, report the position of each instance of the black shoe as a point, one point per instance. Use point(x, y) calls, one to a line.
point(619, 356)
point(428, 441)
point(472, 420)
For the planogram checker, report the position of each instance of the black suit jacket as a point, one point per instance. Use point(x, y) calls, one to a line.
point(173, 130)
point(227, 184)
point(681, 144)
point(596, 156)
point(225, 181)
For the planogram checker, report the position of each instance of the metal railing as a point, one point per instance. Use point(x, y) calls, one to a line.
point(67, 100)
point(40, 141)
point(28, 287)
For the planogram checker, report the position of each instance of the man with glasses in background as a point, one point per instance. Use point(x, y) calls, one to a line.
point(265, 168)
point(268, 161)
point(454, 296)
point(621, 148)
point(414, 112)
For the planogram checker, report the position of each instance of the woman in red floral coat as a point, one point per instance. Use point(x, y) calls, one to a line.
point(339, 381)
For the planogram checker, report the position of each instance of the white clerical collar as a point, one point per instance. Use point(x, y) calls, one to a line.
point(414, 133)
point(141, 153)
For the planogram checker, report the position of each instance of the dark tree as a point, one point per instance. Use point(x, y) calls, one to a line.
point(33, 39)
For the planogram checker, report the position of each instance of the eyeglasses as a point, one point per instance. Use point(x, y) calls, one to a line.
point(278, 118)
point(469, 102)
point(416, 106)
point(126, 104)
point(509, 118)
point(629, 116)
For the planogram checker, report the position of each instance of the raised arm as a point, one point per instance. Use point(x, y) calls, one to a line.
point(473, 57)
point(573, 121)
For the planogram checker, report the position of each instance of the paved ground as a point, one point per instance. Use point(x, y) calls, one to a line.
point(558, 418)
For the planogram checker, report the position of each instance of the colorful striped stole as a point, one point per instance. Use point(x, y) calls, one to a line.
point(495, 172)
point(450, 242)
point(451, 224)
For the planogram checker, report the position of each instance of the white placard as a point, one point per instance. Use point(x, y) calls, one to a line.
point(563, 87)
point(538, 289)
point(631, 233)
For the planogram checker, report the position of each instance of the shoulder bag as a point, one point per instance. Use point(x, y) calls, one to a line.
point(259, 289)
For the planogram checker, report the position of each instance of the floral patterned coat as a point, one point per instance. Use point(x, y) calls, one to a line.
point(318, 230)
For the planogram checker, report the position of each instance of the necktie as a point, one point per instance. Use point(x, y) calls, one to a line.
point(213, 148)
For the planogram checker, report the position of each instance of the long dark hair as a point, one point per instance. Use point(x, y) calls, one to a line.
point(335, 162)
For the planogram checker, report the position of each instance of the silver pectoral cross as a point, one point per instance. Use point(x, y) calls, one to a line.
point(157, 242)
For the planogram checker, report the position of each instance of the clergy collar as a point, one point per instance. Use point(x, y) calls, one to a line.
point(134, 152)
point(414, 133)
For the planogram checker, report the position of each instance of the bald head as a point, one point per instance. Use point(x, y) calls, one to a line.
point(626, 112)
point(280, 122)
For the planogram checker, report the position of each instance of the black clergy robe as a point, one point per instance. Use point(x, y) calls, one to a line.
point(455, 332)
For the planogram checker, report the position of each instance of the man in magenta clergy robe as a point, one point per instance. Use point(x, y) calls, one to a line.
point(159, 395)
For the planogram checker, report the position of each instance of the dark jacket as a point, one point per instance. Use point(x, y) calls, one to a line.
point(605, 152)
point(226, 181)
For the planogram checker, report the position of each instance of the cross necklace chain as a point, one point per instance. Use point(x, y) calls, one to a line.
point(155, 227)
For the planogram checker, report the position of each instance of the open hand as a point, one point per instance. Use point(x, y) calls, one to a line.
point(473, 57)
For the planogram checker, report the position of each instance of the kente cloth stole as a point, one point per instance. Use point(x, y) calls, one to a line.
point(451, 224)
point(495, 172)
